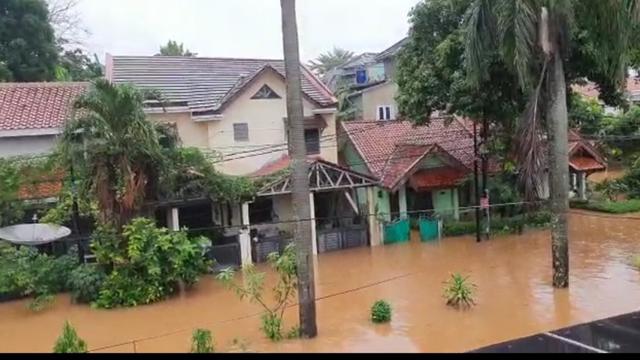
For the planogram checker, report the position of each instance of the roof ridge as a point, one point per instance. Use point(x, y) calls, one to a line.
point(44, 84)
point(194, 58)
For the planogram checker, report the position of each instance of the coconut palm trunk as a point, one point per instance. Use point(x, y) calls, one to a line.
point(300, 185)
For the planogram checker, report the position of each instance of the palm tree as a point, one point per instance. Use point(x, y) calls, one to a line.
point(330, 60)
point(114, 148)
point(300, 185)
point(534, 38)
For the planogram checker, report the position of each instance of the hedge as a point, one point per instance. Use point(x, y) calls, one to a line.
point(511, 225)
point(611, 207)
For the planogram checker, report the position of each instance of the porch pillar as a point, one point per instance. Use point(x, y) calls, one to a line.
point(582, 186)
point(173, 219)
point(312, 216)
point(402, 199)
point(374, 225)
point(456, 204)
point(245, 237)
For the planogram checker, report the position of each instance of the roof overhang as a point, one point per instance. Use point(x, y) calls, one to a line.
point(29, 132)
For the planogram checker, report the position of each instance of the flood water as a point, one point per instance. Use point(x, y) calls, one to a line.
point(515, 299)
point(613, 173)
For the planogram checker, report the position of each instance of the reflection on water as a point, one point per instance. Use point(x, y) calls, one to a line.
point(515, 299)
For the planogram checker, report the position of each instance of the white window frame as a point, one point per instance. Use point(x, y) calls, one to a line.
point(387, 113)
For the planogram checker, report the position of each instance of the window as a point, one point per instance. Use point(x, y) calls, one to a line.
point(241, 132)
point(261, 211)
point(312, 141)
point(384, 112)
point(265, 93)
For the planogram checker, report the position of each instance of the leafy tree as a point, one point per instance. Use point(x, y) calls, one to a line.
point(27, 42)
point(172, 48)
point(586, 114)
point(330, 60)
point(76, 65)
point(114, 148)
point(535, 38)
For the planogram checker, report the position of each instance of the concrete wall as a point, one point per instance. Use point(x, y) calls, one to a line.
point(27, 145)
point(378, 96)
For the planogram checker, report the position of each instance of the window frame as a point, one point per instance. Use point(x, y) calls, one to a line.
point(306, 143)
point(236, 132)
point(384, 113)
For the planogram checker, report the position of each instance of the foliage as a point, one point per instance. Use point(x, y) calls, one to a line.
point(508, 225)
point(28, 49)
point(346, 108)
point(381, 312)
point(635, 261)
point(191, 174)
point(611, 207)
point(586, 114)
point(330, 60)
point(146, 263)
point(172, 48)
point(294, 333)
point(69, 342)
point(76, 65)
point(201, 342)
point(11, 210)
point(114, 148)
point(459, 292)
point(62, 212)
point(611, 189)
point(253, 289)
point(25, 272)
point(85, 283)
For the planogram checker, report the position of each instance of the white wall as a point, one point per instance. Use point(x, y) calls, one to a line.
point(27, 145)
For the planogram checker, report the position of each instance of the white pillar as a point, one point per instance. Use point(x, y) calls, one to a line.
point(582, 186)
point(173, 219)
point(456, 204)
point(312, 216)
point(245, 236)
point(374, 226)
point(402, 199)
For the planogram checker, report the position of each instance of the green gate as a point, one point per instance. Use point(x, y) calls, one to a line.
point(398, 231)
point(429, 229)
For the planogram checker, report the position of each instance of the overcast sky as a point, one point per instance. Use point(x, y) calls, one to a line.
point(241, 28)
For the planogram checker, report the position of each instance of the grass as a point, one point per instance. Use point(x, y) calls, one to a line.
point(610, 207)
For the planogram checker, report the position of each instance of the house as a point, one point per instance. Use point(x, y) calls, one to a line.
point(376, 100)
point(419, 168)
point(32, 115)
point(360, 71)
point(236, 109)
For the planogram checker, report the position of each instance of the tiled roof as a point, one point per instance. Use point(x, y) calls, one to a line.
point(590, 90)
point(437, 178)
point(204, 84)
point(278, 165)
point(584, 163)
point(31, 106)
point(392, 50)
point(391, 148)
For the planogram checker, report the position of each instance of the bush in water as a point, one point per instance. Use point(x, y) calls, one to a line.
point(69, 341)
point(458, 291)
point(202, 342)
point(85, 283)
point(381, 312)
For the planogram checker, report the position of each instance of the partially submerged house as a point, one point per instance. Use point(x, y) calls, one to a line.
point(236, 108)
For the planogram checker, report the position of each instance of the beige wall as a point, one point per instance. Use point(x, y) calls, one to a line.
point(266, 129)
point(379, 96)
point(191, 133)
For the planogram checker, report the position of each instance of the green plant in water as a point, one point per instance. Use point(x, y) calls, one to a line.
point(253, 289)
point(635, 261)
point(458, 291)
point(201, 342)
point(381, 312)
point(294, 333)
point(69, 342)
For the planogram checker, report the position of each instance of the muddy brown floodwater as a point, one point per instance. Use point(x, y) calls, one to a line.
point(515, 299)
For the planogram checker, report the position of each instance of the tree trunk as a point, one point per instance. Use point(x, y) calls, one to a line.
point(300, 186)
point(557, 119)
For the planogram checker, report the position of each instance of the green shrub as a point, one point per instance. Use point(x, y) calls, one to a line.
point(294, 333)
point(25, 272)
point(202, 342)
point(85, 283)
point(69, 342)
point(635, 261)
point(611, 207)
point(252, 288)
point(458, 291)
point(381, 312)
point(510, 225)
point(151, 266)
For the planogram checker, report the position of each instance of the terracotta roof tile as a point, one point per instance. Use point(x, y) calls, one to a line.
point(278, 165)
point(30, 106)
point(584, 163)
point(436, 178)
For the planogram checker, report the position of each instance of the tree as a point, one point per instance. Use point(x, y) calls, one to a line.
point(300, 187)
point(172, 48)
point(75, 65)
point(66, 21)
point(114, 148)
point(27, 43)
point(69, 342)
point(330, 60)
point(535, 40)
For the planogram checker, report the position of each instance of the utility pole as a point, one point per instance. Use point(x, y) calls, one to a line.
point(484, 152)
point(300, 186)
point(476, 181)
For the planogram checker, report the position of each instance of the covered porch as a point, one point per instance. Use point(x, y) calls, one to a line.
point(341, 201)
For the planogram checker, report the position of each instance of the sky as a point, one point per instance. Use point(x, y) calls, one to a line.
point(241, 28)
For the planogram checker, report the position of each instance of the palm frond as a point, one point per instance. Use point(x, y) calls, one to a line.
point(480, 36)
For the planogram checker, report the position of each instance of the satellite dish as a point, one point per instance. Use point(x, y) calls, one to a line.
point(33, 234)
